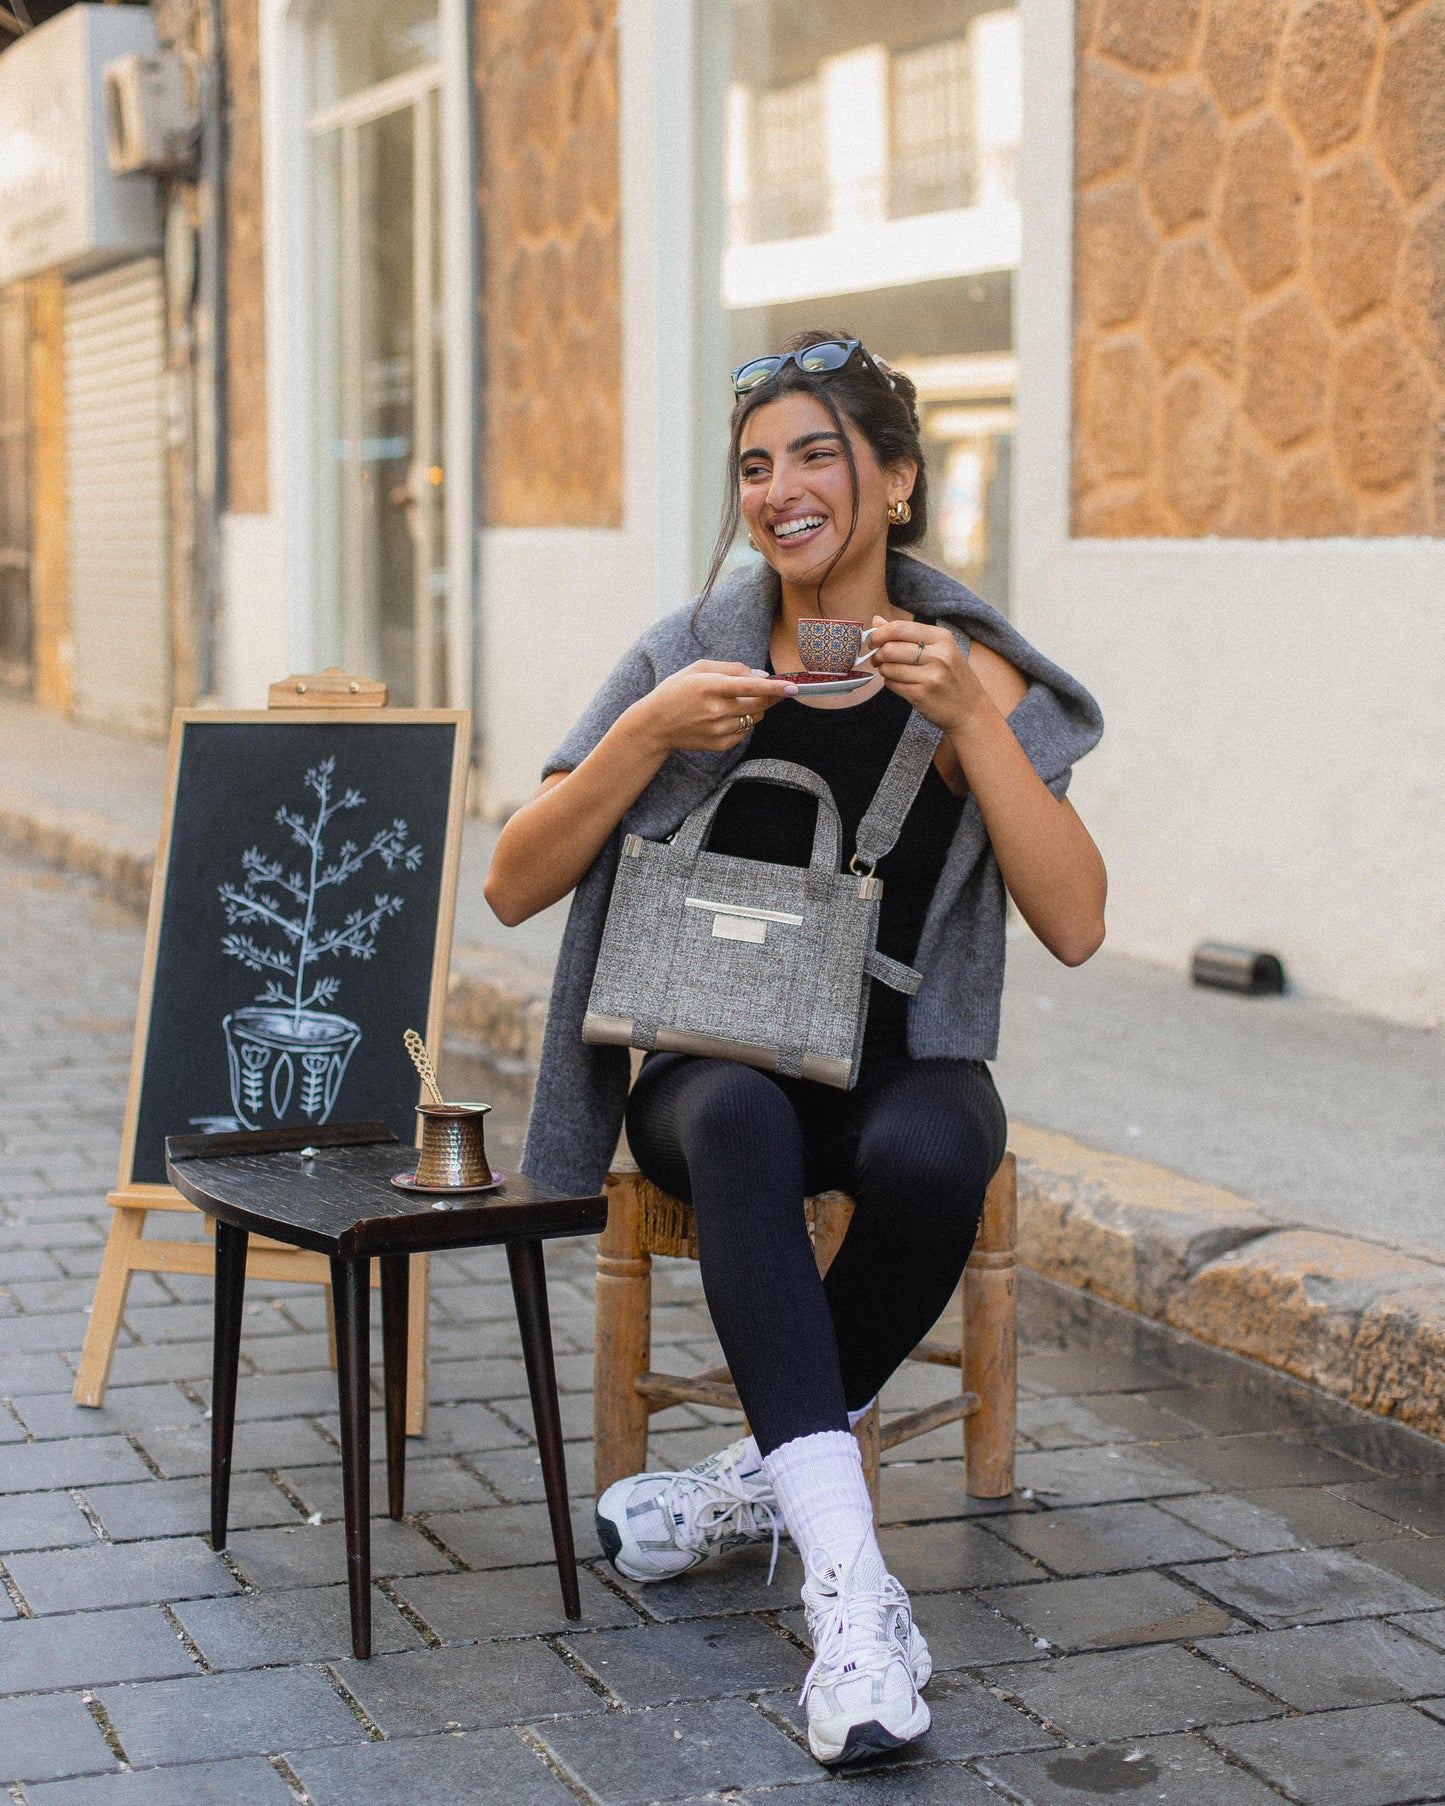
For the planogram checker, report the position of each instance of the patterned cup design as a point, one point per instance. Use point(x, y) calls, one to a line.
point(831, 646)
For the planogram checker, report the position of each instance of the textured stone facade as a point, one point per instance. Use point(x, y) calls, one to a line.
point(245, 269)
point(551, 263)
point(1259, 268)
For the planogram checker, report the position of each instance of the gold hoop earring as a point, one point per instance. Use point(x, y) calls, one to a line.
point(899, 514)
point(752, 543)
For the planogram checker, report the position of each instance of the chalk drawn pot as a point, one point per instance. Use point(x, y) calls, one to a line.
point(286, 1068)
point(452, 1153)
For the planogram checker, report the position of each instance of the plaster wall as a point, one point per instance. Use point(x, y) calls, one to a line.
point(253, 642)
point(1270, 774)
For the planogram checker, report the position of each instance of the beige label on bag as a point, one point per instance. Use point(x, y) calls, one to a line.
point(739, 928)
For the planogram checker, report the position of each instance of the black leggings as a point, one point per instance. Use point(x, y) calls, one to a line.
point(915, 1143)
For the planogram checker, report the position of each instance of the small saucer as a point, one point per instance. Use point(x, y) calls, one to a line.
point(407, 1182)
point(813, 683)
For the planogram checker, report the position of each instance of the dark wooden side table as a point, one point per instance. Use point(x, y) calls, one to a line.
point(330, 1189)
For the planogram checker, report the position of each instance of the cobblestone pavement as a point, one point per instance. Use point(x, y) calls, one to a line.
point(1213, 1588)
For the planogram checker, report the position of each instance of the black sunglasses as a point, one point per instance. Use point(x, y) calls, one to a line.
point(816, 360)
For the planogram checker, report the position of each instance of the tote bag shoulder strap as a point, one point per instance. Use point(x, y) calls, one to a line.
point(882, 824)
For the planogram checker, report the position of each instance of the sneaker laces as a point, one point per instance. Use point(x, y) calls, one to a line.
point(713, 1499)
point(850, 1623)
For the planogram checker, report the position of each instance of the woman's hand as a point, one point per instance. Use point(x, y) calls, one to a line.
point(549, 843)
point(927, 667)
point(706, 706)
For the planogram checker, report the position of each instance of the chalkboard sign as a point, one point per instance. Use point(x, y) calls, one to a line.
point(300, 923)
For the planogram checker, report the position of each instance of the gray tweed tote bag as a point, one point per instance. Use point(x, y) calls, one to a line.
point(767, 964)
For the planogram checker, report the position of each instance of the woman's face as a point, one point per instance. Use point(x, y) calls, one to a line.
point(795, 491)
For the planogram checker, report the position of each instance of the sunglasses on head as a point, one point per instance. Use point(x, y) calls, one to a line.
point(822, 359)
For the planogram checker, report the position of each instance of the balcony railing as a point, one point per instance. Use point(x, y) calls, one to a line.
point(928, 182)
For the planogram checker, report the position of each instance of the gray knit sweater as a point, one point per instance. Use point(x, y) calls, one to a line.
point(582, 1090)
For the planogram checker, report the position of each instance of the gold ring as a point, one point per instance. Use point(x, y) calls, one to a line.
point(918, 656)
point(746, 724)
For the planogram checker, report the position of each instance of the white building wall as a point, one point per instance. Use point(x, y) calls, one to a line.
point(1272, 770)
point(254, 643)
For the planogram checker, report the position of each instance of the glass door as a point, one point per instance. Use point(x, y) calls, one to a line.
point(379, 476)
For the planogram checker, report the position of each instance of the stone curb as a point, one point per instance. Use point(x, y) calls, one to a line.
point(499, 1001)
point(122, 858)
point(1359, 1320)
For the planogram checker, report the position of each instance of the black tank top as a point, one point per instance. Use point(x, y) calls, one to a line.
point(849, 749)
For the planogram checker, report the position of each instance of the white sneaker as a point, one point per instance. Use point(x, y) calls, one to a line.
point(905, 1632)
point(657, 1526)
point(860, 1693)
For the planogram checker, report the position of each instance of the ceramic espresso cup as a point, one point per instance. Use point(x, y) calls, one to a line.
point(832, 646)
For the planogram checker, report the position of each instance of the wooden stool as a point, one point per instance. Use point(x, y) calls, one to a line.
point(643, 1221)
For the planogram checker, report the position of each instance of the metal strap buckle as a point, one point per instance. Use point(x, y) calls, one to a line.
point(857, 870)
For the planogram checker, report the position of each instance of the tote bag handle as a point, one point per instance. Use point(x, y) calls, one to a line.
point(827, 836)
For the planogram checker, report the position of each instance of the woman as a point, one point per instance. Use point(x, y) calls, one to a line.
point(827, 474)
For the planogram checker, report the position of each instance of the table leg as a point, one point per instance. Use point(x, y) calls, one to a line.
point(529, 1290)
point(225, 1358)
point(350, 1295)
point(395, 1287)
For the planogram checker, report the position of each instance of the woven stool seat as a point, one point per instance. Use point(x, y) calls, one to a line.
point(643, 1221)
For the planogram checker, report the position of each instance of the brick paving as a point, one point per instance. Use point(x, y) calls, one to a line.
point(1214, 1588)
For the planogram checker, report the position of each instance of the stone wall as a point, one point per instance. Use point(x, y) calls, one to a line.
point(1259, 268)
point(245, 350)
point(551, 263)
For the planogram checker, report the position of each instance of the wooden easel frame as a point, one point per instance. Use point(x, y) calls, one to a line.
point(311, 701)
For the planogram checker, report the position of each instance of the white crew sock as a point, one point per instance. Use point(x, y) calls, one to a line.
point(751, 1463)
point(823, 1496)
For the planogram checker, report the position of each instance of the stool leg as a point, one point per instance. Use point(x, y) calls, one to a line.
point(990, 1342)
point(623, 1341)
point(225, 1357)
point(395, 1289)
point(350, 1292)
point(865, 1433)
point(529, 1291)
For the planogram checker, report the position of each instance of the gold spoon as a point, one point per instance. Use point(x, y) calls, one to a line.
point(416, 1047)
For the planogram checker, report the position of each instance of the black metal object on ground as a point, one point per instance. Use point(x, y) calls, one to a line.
point(1238, 969)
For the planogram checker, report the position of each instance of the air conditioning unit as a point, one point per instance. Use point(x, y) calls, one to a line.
point(152, 114)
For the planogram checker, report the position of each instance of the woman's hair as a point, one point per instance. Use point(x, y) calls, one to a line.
point(883, 409)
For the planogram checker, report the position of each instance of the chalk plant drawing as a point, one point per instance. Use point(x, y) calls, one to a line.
point(288, 1052)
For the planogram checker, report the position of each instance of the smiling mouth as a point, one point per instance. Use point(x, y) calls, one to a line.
point(797, 529)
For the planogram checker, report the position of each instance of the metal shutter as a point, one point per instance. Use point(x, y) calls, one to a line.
point(116, 497)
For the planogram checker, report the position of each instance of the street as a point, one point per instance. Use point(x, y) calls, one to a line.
point(1213, 1588)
